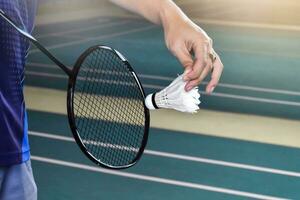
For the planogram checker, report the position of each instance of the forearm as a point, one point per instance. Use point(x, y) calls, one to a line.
point(156, 11)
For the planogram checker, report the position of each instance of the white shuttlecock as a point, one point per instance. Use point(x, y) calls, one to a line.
point(175, 97)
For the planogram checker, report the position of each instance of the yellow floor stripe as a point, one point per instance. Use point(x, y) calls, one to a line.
point(222, 124)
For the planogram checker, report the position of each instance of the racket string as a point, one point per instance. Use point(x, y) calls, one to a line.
point(114, 107)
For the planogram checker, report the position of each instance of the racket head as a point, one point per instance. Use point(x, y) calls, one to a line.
point(106, 109)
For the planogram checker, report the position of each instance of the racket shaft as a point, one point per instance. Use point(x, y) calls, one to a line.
point(35, 42)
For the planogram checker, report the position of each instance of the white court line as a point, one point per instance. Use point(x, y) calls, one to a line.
point(257, 89)
point(224, 95)
point(101, 20)
point(155, 179)
point(261, 53)
point(111, 35)
point(52, 66)
point(78, 30)
point(248, 98)
point(166, 78)
point(74, 37)
point(110, 145)
point(187, 158)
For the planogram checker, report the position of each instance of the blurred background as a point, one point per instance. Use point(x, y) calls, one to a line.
point(244, 142)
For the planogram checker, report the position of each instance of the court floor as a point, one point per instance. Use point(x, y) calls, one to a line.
point(243, 144)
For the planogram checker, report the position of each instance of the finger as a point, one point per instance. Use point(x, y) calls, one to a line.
point(215, 78)
point(201, 57)
point(191, 84)
point(206, 71)
point(184, 58)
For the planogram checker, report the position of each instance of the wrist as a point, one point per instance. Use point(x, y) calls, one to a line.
point(170, 14)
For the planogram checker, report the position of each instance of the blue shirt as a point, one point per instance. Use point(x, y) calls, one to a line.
point(14, 147)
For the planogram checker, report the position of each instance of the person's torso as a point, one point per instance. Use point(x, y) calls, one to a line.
point(14, 146)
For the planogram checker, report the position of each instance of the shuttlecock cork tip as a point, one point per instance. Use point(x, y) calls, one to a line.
point(149, 102)
point(175, 97)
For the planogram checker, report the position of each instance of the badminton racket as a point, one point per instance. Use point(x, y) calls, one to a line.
point(105, 104)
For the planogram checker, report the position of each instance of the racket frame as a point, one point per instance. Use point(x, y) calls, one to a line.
point(71, 115)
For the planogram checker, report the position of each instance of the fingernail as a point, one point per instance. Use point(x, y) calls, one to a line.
point(212, 89)
point(189, 88)
point(187, 71)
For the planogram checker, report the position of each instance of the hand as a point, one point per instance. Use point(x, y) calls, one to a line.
point(192, 46)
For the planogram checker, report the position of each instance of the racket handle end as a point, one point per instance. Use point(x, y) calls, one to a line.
point(150, 102)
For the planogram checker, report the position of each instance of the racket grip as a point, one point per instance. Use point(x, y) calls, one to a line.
point(150, 102)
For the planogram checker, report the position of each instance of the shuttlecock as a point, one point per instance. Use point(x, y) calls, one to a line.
point(175, 97)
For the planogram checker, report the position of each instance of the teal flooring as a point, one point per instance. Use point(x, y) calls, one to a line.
point(61, 179)
point(254, 59)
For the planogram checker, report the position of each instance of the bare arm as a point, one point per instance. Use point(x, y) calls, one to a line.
point(153, 10)
point(182, 37)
